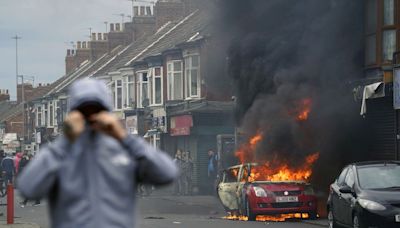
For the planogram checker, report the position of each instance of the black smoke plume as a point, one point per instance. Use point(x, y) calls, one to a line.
point(283, 53)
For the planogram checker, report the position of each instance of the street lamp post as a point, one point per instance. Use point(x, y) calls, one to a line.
point(32, 78)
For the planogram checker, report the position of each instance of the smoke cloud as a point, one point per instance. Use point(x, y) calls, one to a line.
point(286, 56)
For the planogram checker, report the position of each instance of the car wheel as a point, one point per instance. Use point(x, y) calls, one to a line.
point(357, 223)
point(331, 219)
point(250, 215)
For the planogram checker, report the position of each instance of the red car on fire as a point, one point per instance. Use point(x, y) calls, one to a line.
point(242, 194)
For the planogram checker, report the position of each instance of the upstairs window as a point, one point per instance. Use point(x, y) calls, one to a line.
point(155, 86)
point(175, 80)
point(142, 89)
point(130, 88)
point(192, 76)
point(388, 44)
point(388, 12)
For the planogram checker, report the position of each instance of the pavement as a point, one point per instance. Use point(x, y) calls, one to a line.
point(162, 211)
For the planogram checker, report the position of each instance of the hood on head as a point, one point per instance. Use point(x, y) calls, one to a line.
point(89, 91)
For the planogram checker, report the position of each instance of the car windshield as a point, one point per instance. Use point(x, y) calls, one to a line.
point(379, 177)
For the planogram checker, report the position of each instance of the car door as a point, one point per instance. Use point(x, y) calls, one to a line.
point(347, 199)
point(228, 187)
point(336, 196)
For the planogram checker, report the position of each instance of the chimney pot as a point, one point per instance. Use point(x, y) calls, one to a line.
point(93, 36)
point(68, 52)
point(111, 27)
point(135, 11)
point(79, 44)
point(40, 84)
point(105, 36)
point(72, 52)
point(7, 91)
point(117, 27)
point(84, 44)
point(99, 36)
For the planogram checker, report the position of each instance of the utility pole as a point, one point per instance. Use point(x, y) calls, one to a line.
point(16, 38)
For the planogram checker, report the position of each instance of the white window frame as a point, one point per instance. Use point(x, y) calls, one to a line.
point(130, 102)
point(39, 124)
point(188, 68)
point(171, 71)
point(152, 83)
point(117, 87)
point(46, 115)
point(139, 87)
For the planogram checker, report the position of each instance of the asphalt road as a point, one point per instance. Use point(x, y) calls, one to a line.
point(171, 212)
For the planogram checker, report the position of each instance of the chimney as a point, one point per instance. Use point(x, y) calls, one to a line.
point(117, 27)
point(111, 27)
point(135, 11)
point(105, 36)
point(79, 45)
point(148, 11)
point(84, 45)
point(68, 52)
point(93, 37)
point(166, 11)
point(99, 36)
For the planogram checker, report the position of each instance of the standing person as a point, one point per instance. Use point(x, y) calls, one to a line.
point(17, 159)
point(90, 173)
point(212, 170)
point(8, 168)
point(188, 173)
point(178, 183)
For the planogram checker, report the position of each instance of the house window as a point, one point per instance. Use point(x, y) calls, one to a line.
point(388, 44)
point(370, 32)
point(175, 80)
point(192, 76)
point(45, 113)
point(130, 88)
point(155, 85)
point(142, 89)
point(51, 113)
point(118, 94)
point(388, 12)
point(39, 116)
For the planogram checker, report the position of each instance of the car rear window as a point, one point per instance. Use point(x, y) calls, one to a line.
point(379, 177)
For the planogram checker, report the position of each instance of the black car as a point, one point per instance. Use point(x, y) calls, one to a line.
point(366, 194)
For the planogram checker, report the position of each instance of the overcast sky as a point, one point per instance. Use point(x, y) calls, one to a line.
point(47, 27)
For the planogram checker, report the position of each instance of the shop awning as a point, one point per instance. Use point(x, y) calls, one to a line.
point(374, 90)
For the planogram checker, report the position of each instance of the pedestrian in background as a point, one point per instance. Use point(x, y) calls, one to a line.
point(212, 171)
point(178, 186)
point(187, 173)
point(8, 167)
point(90, 173)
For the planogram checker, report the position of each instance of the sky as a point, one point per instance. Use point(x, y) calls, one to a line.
point(47, 28)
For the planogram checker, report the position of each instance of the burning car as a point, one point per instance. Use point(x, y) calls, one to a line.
point(244, 192)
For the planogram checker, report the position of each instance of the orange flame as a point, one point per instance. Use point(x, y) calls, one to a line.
point(305, 109)
point(271, 218)
point(275, 170)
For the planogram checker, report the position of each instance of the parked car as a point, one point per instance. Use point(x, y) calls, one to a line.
point(240, 196)
point(366, 194)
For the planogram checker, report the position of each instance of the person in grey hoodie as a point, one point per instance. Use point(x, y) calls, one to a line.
point(90, 174)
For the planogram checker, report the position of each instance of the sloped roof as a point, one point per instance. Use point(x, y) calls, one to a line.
point(169, 36)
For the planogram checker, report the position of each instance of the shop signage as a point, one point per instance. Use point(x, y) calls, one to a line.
point(180, 125)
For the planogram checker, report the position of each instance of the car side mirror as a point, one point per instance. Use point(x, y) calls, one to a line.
point(346, 190)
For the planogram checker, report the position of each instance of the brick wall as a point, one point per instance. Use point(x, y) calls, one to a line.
point(141, 26)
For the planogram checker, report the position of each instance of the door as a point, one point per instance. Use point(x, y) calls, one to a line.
point(336, 196)
point(347, 199)
point(227, 189)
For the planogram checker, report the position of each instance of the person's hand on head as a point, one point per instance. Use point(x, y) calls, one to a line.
point(74, 125)
point(107, 123)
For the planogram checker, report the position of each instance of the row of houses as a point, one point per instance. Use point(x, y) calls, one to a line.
point(155, 67)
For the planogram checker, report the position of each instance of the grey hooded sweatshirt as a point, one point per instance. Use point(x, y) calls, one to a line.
point(92, 182)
